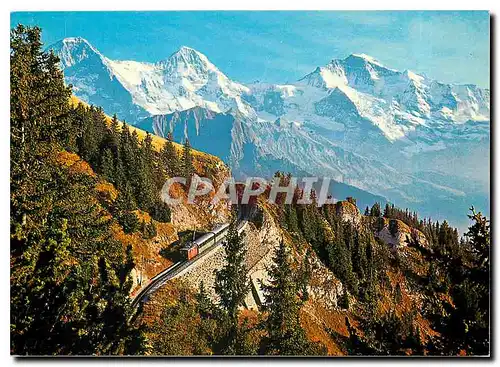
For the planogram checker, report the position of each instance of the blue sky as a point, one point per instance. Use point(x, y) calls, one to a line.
point(281, 47)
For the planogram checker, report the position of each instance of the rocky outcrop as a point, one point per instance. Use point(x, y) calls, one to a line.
point(260, 245)
point(324, 287)
point(396, 233)
point(348, 211)
point(202, 213)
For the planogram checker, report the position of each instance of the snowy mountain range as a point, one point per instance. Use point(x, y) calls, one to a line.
point(396, 134)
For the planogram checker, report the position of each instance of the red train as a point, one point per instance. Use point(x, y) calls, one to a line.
point(191, 249)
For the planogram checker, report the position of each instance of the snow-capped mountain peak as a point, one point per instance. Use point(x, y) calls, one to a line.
point(184, 80)
point(188, 62)
point(190, 55)
point(366, 58)
point(395, 102)
point(73, 50)
point(364, 61)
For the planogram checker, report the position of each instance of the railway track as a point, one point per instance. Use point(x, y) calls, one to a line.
point(175, 269)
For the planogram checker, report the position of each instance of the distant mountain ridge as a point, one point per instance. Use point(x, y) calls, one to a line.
point(355, 120)
point(188, 79)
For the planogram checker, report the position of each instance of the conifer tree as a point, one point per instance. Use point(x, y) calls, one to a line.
point(469, 321)
point(291, 219)
point(231, 285)
point(69, 281)
point(126, 200)
point(146, 192)
point(187, 160)
point(387, 211)
point(120, 178)
point(38, 112)
point(115, 130)
point(108, 165)
point(305, 275)
point(92, 128)
point(375, 210)
point(169, 158)
point(282, 302)
point(126, 151)
point(341, 264)
point(112, 138)
point(344, 300)
point(204, 305)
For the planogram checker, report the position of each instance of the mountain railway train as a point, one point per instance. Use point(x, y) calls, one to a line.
point(193, 248)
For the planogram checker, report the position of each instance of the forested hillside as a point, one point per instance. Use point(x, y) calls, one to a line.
point(86, 207)
point(69, 278)
point(76, 177)
point(427, 294)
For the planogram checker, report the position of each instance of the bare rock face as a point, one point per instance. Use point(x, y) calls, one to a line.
point(324, 287)
point(396, 233)
point(202, 213)
point(348, 211)
point(261, 244)
point(136, 278)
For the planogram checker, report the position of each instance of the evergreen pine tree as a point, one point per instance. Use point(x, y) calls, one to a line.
point(146, 192)
point(305, 275)
point(344, 300)
point(231, 285)
point(62, 300)
point(108, 165)
point(387, 211)
point(282, 302)
point(187, 160)
point(375, 210)
point(169, 157)
point(38, 113)
point(205, 306)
